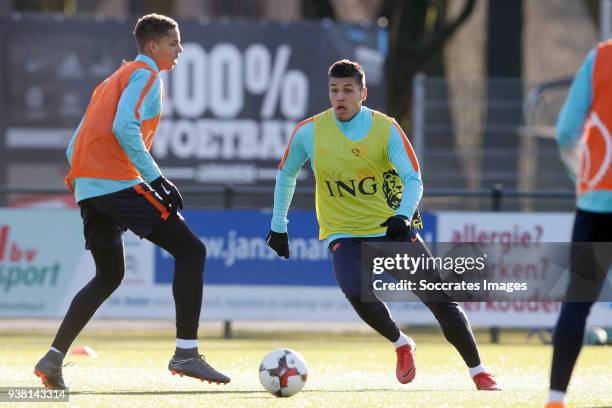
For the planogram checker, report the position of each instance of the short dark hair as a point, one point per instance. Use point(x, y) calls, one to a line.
point(152, 27)
point(347, 69)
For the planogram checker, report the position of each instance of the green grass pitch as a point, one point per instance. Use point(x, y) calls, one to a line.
point(344, 371)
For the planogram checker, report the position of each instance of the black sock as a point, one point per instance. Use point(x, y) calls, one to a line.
point(187, 285)
point(377, 316)
point(457, 330)
point(110, 269)
point(567, 342)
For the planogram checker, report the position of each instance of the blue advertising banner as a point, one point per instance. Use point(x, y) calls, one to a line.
point(237, 252)
point(41, 273)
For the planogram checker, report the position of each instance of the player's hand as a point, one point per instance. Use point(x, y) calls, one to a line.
point(399, 228)
point(171, 198)
point(279, 242)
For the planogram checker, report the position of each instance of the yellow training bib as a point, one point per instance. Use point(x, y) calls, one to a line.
point(357, 187)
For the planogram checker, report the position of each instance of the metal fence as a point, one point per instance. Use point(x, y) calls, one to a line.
point(474, 135)
point(496, 198)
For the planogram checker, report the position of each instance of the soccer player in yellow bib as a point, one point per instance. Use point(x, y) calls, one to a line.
point(368, 186)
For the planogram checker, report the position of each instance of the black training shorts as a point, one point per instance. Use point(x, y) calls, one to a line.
point(105, 218)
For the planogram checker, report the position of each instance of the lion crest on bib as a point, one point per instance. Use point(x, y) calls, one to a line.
point(392, 188)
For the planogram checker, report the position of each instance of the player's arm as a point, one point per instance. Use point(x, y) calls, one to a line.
point(140, 97)
point(574, 114)
point(403, 158)
point(294, 158)
point(576, 107)
point(405, 161)
point(136, 98)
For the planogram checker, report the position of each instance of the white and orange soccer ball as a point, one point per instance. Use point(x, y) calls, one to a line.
point(283, 372)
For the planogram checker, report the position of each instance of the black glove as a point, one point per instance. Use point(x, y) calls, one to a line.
point(399, 228)
point(279, 242)
point(171, 198)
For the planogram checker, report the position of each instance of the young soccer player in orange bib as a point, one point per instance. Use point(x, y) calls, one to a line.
point(585, 117)
point(118, 186)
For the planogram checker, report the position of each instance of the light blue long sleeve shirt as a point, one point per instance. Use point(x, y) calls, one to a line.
point(126, 127)
point(570, 126)
point(302, 149)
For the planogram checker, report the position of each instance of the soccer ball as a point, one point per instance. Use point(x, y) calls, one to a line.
point(283, 372)
point(596, 336)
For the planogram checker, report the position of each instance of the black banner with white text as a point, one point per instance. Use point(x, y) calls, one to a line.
point(230, 104)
